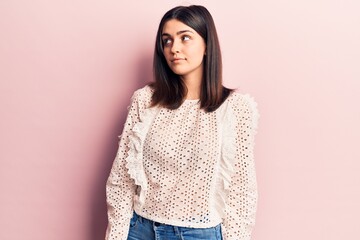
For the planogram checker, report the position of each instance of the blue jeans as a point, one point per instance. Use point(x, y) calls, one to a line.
point(144, 229)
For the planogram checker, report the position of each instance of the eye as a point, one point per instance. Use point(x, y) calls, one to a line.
point(185, 38)
point(167, 41)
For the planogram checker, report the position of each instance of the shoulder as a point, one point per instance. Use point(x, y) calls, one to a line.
point(142, 96)
point(244, 106)
point(143, 93)
point(242, 101)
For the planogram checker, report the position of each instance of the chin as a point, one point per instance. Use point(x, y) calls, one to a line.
point(178, 72)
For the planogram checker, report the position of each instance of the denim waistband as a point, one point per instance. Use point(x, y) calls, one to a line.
point(146, 229)
point(158, 224)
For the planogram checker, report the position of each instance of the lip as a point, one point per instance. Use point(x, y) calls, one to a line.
point(177, 59)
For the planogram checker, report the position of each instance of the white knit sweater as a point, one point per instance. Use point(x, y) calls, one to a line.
point(185, 167)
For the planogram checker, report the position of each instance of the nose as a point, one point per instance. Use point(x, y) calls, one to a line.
point(175, 47)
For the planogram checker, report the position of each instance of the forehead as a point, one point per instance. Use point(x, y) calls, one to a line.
point(173, 26)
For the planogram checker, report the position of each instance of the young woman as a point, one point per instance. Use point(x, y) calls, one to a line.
point(185, 169)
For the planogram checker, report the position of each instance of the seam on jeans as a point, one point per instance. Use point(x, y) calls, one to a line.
point(219, 232)
point(134, 219)
point(179, 232)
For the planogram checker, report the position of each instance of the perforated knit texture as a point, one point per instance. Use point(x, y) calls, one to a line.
point(186, 167)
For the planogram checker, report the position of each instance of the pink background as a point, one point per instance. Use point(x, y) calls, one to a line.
point(68, 69)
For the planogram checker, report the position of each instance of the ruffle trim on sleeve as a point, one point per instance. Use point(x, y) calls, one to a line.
point(136, 141)
point(228, 146)
point(226, 164)
point(134, 160)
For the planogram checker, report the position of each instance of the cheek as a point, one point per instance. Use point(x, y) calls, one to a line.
point(166, 55)
point(197, 51)
point(198, 54)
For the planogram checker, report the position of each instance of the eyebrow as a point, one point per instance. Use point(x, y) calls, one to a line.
point(178, 33)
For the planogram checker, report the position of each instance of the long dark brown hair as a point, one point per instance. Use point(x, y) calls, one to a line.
point(169, 89)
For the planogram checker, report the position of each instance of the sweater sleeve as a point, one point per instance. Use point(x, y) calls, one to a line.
point(242, 199)
point(120, 187)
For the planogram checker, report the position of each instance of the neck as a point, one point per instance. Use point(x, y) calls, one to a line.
point(193, 88)
point(193, 85)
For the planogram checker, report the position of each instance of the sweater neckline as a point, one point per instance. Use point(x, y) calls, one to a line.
point(191, 100)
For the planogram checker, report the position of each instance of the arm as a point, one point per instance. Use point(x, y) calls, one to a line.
point(242, 199)
point(120, 188)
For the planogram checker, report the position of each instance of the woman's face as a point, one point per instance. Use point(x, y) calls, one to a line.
point(184, 49)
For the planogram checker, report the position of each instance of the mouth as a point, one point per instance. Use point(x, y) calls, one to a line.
point(174, 60)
